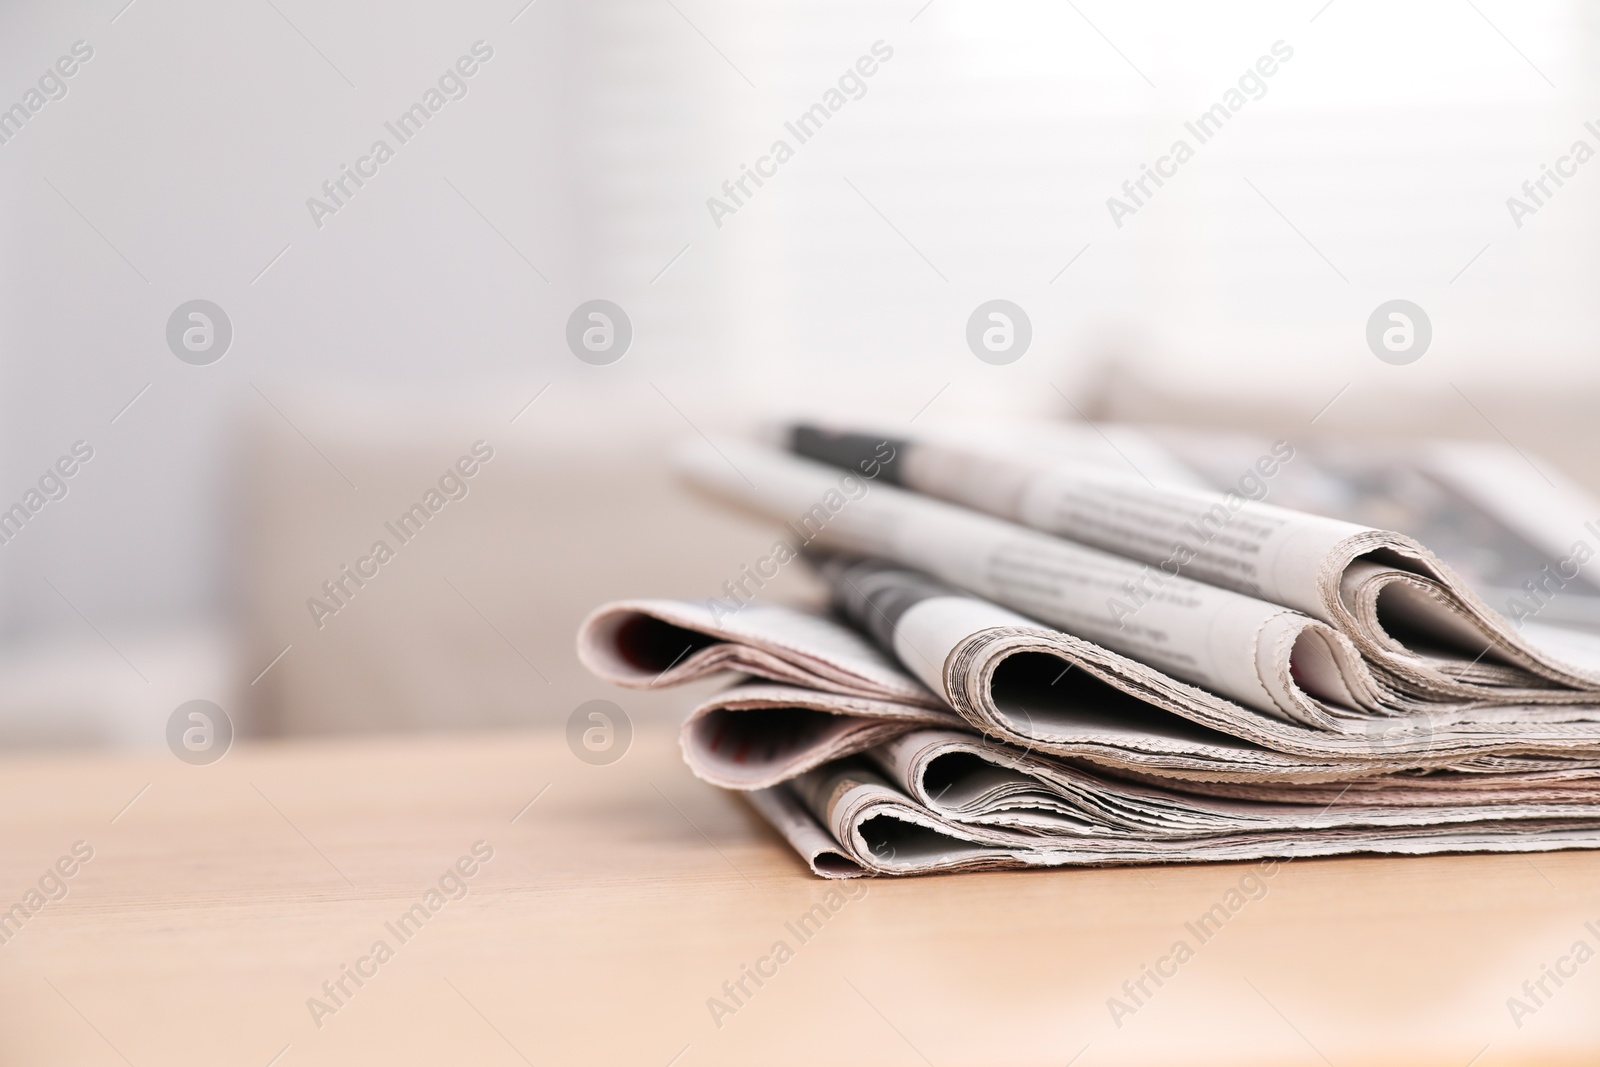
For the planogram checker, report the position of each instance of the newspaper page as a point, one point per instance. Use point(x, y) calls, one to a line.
point(756, 735)
point(1262, 655)
point(1404, 609)
point(886, 831)
point(1511, 525)
point(784, 811)
point(830, 692)
point(1090, 703)
point(1035, 687)
point(644, 644)
point(961, 778)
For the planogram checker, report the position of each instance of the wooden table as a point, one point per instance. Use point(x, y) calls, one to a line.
point(219, 901)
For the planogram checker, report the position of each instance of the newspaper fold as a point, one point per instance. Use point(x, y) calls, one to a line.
point(756, 735)
point(1262, 655)
point(968, 780)
point(1036, 688)
point(832, 693)
point(885, 831)
point(783, 809)
point(1428, 635)
point(644, 644)
point(1039, 688)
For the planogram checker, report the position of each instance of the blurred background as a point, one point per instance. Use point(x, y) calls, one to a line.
point(381, 331)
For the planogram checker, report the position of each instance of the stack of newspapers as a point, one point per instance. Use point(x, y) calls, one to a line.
point(1037, 660)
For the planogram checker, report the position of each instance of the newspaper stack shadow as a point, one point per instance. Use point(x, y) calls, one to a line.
point(1040, 686)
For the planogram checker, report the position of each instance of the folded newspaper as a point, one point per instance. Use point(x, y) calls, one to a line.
point(989, 693)
point(863, 784)
point(1424, 631)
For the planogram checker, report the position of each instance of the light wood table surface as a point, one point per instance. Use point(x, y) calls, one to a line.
point(223, 897)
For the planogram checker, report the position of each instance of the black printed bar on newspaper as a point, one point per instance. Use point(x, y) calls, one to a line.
point(852, 451)
point(873, 595)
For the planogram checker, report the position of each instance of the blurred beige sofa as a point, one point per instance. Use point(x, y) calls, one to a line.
point(472, 622)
